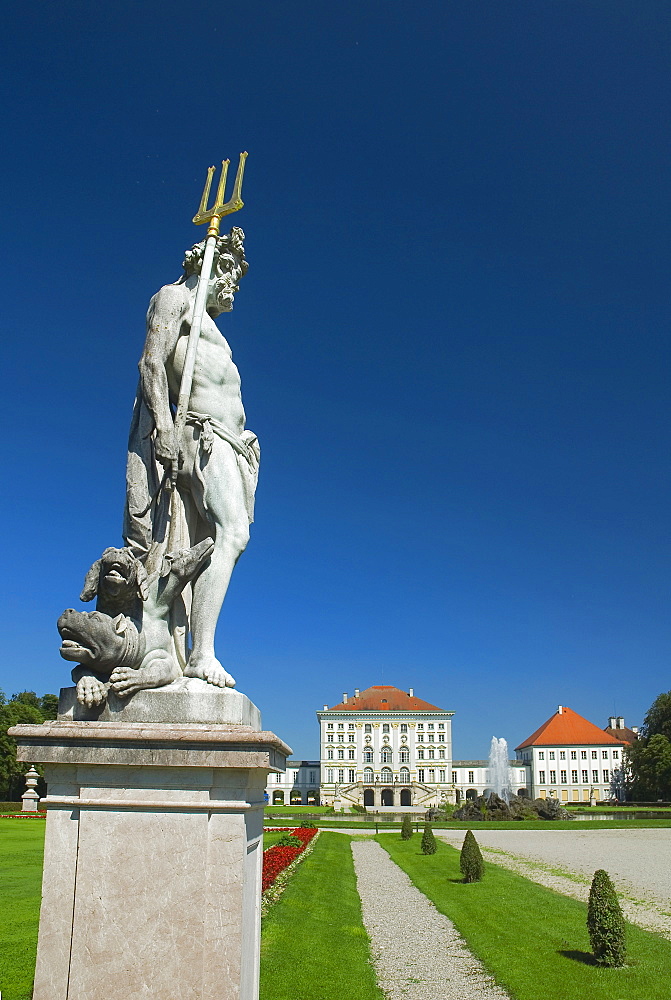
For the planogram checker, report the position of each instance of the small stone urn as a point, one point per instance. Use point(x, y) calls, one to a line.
point(30, 798)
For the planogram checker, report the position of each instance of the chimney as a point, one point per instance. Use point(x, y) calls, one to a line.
point(612, 722)
point(411, 692)
point(356, 692)
point(344, 698)
point(326, 708)
point(560, 709)
point(620, 722)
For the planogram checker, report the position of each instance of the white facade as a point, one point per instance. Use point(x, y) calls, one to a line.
point(572, 773)
point(385, 759)
point(298, 785)
point(472, 778)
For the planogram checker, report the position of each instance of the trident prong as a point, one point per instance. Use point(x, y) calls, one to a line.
point(220, 207)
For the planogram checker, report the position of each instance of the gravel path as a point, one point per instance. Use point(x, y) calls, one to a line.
point(416, 950)
point(638, 862)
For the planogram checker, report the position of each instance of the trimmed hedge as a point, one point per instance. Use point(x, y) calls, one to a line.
point(428, 840)
point(470, 860)
point(605, 922)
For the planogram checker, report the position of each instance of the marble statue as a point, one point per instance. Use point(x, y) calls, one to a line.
point(191, 476)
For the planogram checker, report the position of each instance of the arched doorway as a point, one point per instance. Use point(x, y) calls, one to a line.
point(296, 799)
point(523, 793)
point(368, 797)
point(387, 797)
point(471, 793)
point(406, 797)
point(313, 797)
point(278, 798)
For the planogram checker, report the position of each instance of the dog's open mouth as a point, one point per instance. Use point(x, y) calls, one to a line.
point(115, 574)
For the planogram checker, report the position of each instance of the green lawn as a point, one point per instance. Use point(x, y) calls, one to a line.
point(313, 944)
point(21, 850)
point(534, 941)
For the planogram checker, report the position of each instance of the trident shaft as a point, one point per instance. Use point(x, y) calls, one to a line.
point(214, 216)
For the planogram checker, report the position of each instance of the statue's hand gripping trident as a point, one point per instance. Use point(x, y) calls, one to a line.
point(214, 216)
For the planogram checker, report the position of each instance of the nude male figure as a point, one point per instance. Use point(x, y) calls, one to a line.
point(217, 460)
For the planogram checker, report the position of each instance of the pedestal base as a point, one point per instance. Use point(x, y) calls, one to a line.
point(153, 855)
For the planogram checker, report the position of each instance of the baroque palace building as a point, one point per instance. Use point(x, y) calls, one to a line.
point(385, 748)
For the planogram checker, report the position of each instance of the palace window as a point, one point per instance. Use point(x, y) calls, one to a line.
point(329, 775)
point(594, 755)
point(595, 776)
point(368, 756)
point(385, 727)
point(432, 754)
point(441, 725)
point(312, 777)
point(385, 775)
point(471, 777)
point(605, 775)
point(329, 725)
point(584, 777)
point(420, 737)
point(404, 776)
point(454, 777)
point(574, 777)
point(341, 754)
point(541, 777)
point(386, 756)
point(341, 725)
point(350, 754)
point(562, 754)
point(441, 754)
point(553, 777)
point(441, 737)
point(441, 775)
point(430, 725)
point(351, 737)
point(368, 775)
point(604, 754)
point(329, 738)
point(551, 755)
point(329, 754)
point(341, 774)
point(351, 725)
point(368, 728)
point(420, 755)
point(420, 725)
point(420, 774)
point(583, 755)
point(616, 754)
point(341, 737)
point(404, 727)
point(404, 755)
point(351, 775)
point(562, 777)
point(432, 774)
point(541, 755)
point(574, 755)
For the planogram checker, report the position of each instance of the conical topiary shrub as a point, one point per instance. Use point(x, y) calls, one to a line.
point(428, 840)
point(470, 860)
point(406, 828)
point(605, 922)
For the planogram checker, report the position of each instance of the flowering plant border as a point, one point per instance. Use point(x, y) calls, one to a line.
point(279, 864)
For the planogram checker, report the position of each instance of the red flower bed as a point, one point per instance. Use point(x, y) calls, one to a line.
point(276, 859)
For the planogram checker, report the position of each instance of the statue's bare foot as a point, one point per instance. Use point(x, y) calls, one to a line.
point(91, 691)
point(209, 669)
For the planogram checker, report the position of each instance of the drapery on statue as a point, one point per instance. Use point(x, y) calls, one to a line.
point(191, 477)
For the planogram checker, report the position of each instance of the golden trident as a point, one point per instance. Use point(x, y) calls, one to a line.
point(214, 216)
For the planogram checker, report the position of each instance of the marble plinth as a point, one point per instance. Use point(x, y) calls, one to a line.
point(153, 856)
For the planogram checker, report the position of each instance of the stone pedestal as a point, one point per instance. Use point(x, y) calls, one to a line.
point(153, 856)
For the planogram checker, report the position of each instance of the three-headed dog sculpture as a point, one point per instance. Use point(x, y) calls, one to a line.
point(128, 643)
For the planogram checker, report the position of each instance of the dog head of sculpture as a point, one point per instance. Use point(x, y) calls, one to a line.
point(98, 641)
point(118, 578)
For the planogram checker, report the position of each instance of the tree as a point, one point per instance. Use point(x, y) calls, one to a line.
point(406, 828)
point(428, 840)
point(647, 762)
point(605, 922)
point(470, 860)
point(21, 709)
point(658, 717)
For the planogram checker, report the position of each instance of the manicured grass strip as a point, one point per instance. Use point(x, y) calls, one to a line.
point(313, 944)
point(581, 825)
point(533, 941)
point(21, 853)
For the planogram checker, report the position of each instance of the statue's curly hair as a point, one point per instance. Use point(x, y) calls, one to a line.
point(232, 242)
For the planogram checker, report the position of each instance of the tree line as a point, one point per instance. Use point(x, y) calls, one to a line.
point(22, 708)
point(648, 760)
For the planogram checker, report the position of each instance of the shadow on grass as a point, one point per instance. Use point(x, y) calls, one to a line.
point(586, 957)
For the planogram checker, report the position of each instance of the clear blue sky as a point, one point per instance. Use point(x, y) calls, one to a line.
point(453, 336)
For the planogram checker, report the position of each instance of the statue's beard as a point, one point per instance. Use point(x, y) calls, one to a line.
point(222, 293)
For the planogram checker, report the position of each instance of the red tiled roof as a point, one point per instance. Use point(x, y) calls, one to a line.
point(384, 697)
point(567, 728)
point(623, 735)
